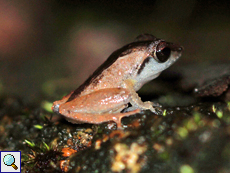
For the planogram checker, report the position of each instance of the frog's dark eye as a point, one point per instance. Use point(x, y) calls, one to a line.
point(162, 52)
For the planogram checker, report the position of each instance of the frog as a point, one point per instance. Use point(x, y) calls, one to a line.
point(110, 93)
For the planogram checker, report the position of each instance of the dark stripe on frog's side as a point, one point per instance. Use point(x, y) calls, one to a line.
point(130, 48)
point(143, 64)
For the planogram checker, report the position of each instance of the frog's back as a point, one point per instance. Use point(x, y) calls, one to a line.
point(98, 76)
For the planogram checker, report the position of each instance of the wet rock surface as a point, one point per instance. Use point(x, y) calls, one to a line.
point(206, 79)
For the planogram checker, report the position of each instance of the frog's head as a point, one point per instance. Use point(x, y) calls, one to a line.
point(160, 55)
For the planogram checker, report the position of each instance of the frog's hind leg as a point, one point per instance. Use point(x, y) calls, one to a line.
point(56, 104)
point(99, 118)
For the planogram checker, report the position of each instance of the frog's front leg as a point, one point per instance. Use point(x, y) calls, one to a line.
point(97, 107)
point(135, 100)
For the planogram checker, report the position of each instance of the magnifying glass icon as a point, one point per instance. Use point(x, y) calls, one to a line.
point(9, 160)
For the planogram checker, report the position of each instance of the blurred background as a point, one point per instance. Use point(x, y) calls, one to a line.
point(51, 46)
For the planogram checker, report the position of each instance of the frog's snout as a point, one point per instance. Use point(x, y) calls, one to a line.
point(180, 49)
point(176, 47)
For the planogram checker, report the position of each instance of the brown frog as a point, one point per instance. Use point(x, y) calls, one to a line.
point(113, 85)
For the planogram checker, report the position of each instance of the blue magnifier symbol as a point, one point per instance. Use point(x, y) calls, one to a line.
point(9, 160)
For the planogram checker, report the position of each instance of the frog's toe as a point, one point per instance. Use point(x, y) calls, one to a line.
point(152, 109)
point(156, 104)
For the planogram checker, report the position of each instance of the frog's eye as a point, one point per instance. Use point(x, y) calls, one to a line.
point(162, 52)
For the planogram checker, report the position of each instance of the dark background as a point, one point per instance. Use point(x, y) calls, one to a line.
point(46, 46)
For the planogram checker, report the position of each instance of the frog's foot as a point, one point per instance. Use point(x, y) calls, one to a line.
point(153, 107)
point(117, 117)
point(156, 105)
point(143, 106)
point(148, 105)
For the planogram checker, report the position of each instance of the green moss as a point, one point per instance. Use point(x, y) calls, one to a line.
point(186, 169)
point(182, 132)
point(47, 106)
point(219, 114)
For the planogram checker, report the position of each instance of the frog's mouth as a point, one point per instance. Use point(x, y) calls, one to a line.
point(175, 55)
